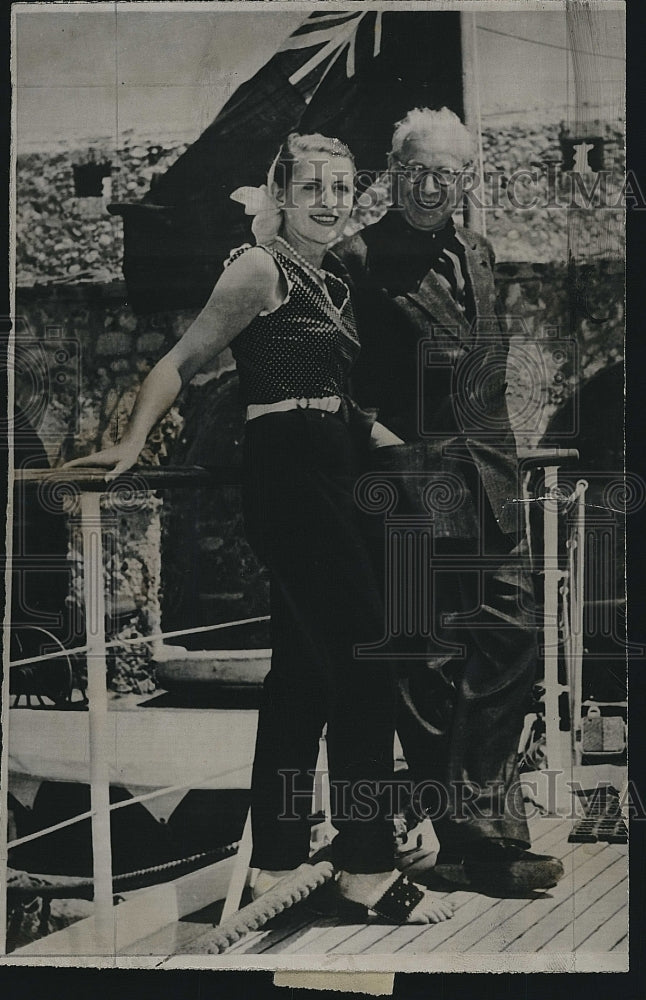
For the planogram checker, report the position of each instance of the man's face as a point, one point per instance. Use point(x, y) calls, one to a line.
point(427, 180)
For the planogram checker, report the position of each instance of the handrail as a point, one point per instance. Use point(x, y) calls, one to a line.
point(139, 478)
point(158, 477)
point(528, 457)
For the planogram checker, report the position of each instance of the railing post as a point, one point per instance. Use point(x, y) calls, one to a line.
point(551, 576)
point(577, 595)
point(94, 599)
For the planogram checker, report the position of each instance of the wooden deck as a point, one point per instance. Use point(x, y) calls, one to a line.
point(585, 915)
point(586, 911)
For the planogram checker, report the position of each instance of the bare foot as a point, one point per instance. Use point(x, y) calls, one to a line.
point(266, 880)
point(367, 890)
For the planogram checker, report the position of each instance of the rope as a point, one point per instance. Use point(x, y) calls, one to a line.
point(289, 891)
point(20, 883)
point(550, 45)
point(140, 640)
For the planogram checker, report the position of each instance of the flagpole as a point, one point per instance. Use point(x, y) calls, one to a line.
point(474, 216)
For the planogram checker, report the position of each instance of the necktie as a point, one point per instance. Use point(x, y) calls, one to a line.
point(447, 267)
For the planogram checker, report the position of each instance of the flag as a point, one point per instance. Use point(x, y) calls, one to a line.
point(349, 74)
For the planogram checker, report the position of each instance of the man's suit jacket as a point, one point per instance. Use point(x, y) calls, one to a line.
point(438, 381)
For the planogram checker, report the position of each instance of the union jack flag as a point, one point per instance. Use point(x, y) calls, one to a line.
point(335, 35)
point(349, 74)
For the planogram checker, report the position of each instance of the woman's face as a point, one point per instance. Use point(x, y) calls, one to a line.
point(319, 198)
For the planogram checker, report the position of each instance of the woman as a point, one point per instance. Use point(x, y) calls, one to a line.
point(291, 329)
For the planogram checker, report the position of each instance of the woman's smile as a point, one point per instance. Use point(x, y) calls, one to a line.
point(325, 218)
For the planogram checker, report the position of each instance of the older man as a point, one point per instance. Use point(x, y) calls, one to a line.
point(433, 363)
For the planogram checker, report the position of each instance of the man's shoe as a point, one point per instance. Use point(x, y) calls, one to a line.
point(498, 868)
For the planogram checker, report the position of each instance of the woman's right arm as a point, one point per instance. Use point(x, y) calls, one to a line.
point(251, 284)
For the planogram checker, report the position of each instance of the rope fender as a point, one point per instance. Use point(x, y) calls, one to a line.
point(290, 890)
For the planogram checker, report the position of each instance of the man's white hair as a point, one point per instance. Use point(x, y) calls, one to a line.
point(443, 124)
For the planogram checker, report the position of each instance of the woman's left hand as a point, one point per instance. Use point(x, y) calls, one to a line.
point(117, 459)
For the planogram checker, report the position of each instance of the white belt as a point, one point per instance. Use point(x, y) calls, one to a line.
point(330, 404)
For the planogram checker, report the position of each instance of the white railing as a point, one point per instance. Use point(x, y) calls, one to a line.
point(88, 485)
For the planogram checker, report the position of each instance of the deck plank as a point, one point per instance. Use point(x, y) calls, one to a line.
point(292, 924)
point(587, 886)
point(378, 944)
point(169, 940)
point(330, 940)
point(587, 922)
point(608, 935)
point(495, 923)
point(174, 938)
point(470, 905)
point(574, 857)
point(279, 940)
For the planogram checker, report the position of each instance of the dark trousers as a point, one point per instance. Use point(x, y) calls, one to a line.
point(301, 520)
point(460, 722)
point(460, 714)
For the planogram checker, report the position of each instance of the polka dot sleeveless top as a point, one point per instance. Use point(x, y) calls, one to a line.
point(305, 347)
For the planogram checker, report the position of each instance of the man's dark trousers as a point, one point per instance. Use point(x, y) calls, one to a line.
point(459, 716)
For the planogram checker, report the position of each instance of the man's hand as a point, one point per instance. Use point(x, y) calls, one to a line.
point(417, 852)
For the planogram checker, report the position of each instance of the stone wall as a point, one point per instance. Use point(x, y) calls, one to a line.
point(61, 237)
point(563, 328)
point(545, 231)
point(64, 238)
